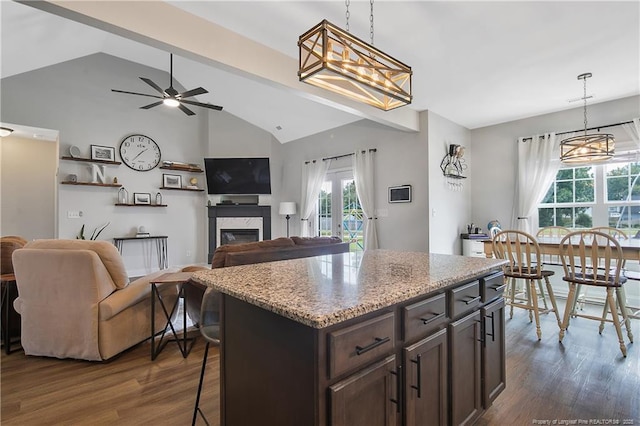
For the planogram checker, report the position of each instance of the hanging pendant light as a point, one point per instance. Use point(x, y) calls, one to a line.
point(587, 148)
point(335, 60)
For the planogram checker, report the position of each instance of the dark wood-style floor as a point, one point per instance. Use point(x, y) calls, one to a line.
point(584, 378)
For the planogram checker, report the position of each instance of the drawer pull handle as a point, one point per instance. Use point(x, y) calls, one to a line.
point(418, 362)
point(493, 328)
point(398, 375)
point(472, 300)
point(378, 341)
point(426, 321)
point(499, 288)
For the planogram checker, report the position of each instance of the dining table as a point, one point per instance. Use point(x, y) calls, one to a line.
point(551, 246)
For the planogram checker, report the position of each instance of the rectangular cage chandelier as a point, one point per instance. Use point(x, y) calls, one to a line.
point(335, 60)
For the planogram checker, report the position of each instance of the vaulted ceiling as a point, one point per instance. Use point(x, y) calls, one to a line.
point(475, 63)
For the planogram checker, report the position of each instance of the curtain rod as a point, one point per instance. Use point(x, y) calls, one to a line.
point(335, 157)
point(591, 128)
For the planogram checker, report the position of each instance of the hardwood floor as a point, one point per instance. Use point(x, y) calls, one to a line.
point(129, 390)
point(583, 378)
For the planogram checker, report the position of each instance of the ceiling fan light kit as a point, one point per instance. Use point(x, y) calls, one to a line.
point(333, 59)
point(171, 97)
point(586, 148)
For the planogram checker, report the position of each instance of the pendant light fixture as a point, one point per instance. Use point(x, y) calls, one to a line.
point(587, 148)
point(333, 59)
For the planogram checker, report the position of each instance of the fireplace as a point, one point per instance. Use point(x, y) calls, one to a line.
point(239, 236)
point(243, 221)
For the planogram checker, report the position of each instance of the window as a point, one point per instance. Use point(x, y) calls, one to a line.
point(600, 195)
point(569, 201)
point(623, 195)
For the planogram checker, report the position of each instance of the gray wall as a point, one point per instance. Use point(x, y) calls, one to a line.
point(74, 97)
point(449, 210)
point(495, 152)
point(401, 158)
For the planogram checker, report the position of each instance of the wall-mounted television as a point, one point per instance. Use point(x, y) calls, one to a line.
point(250, 176)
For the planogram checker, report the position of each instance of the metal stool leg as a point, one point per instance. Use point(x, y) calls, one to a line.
point(197, 409)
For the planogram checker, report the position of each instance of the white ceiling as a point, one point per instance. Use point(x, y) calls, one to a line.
point(475, 63)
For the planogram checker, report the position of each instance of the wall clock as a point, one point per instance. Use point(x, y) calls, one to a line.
point(140, 152)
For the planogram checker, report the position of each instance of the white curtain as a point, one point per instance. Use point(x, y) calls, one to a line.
point(538, 163)
point(363, 173)
point(633, 129)
point(313, 174)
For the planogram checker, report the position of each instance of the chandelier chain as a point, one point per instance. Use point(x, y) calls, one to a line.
point(585, 105)
point(371, 21)
point(346, 14)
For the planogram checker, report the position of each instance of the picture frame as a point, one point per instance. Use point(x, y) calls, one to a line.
point(400, 194)
point(103, 153)
point(171, 181)
point(141, 198)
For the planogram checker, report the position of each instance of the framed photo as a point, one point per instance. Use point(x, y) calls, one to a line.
point(171, 181)
point(104, 153)
point(400, 194)
point(141, 198)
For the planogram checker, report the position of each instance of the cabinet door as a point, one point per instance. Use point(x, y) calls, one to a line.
point(493, 352)
point(465, 350)
point(367, 398)
point(426, 381)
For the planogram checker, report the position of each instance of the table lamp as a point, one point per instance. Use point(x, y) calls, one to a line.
point(287, 208)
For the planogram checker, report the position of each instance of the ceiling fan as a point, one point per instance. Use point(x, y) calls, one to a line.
point(171, 97)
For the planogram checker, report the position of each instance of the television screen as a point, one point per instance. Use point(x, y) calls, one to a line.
point(248, 176)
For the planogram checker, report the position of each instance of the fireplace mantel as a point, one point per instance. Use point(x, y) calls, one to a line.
point(214, 212)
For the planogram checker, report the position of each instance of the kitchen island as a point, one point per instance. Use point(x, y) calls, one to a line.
point(374, 338)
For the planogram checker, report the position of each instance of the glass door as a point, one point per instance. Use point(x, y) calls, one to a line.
point(339, 212)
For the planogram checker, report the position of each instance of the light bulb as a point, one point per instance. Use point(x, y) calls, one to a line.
point(171, 102)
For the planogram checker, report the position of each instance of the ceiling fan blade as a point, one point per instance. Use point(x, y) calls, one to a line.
point(151, 105)
point(152, 84)
point(186, 110)
point(200, 104)
point(193, 92)
point(135, 93)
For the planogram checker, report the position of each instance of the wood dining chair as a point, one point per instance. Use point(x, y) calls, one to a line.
point(552, 232)
point(593, 258)
point(522, 252)
point(581, 297)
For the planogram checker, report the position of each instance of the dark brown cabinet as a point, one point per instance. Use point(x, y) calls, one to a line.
point(367, 398)
point(437, 359)
point(493, 352)
point(425, 381)
point(466, 380)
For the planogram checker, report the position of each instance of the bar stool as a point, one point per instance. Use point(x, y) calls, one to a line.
point(210, 330)
point(523, 253)
point(594, 258)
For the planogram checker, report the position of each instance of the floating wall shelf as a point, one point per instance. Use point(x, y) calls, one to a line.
point(110, 185)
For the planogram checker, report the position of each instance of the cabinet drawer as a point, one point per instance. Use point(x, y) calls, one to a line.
point(360, 344)
point(464, 299)
point(492, 287)
point(422, 318)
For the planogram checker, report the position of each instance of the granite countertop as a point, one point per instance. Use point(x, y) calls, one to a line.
point(325, 290)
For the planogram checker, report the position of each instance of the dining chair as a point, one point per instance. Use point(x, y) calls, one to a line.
point(582, 292)
point(552, 232)
point(210, 330)
point(522, 252)
point(593, 258)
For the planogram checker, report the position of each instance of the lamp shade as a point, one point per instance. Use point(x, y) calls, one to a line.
point(287, 207)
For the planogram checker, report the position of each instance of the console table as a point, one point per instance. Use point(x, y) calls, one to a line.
point(161, 246)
